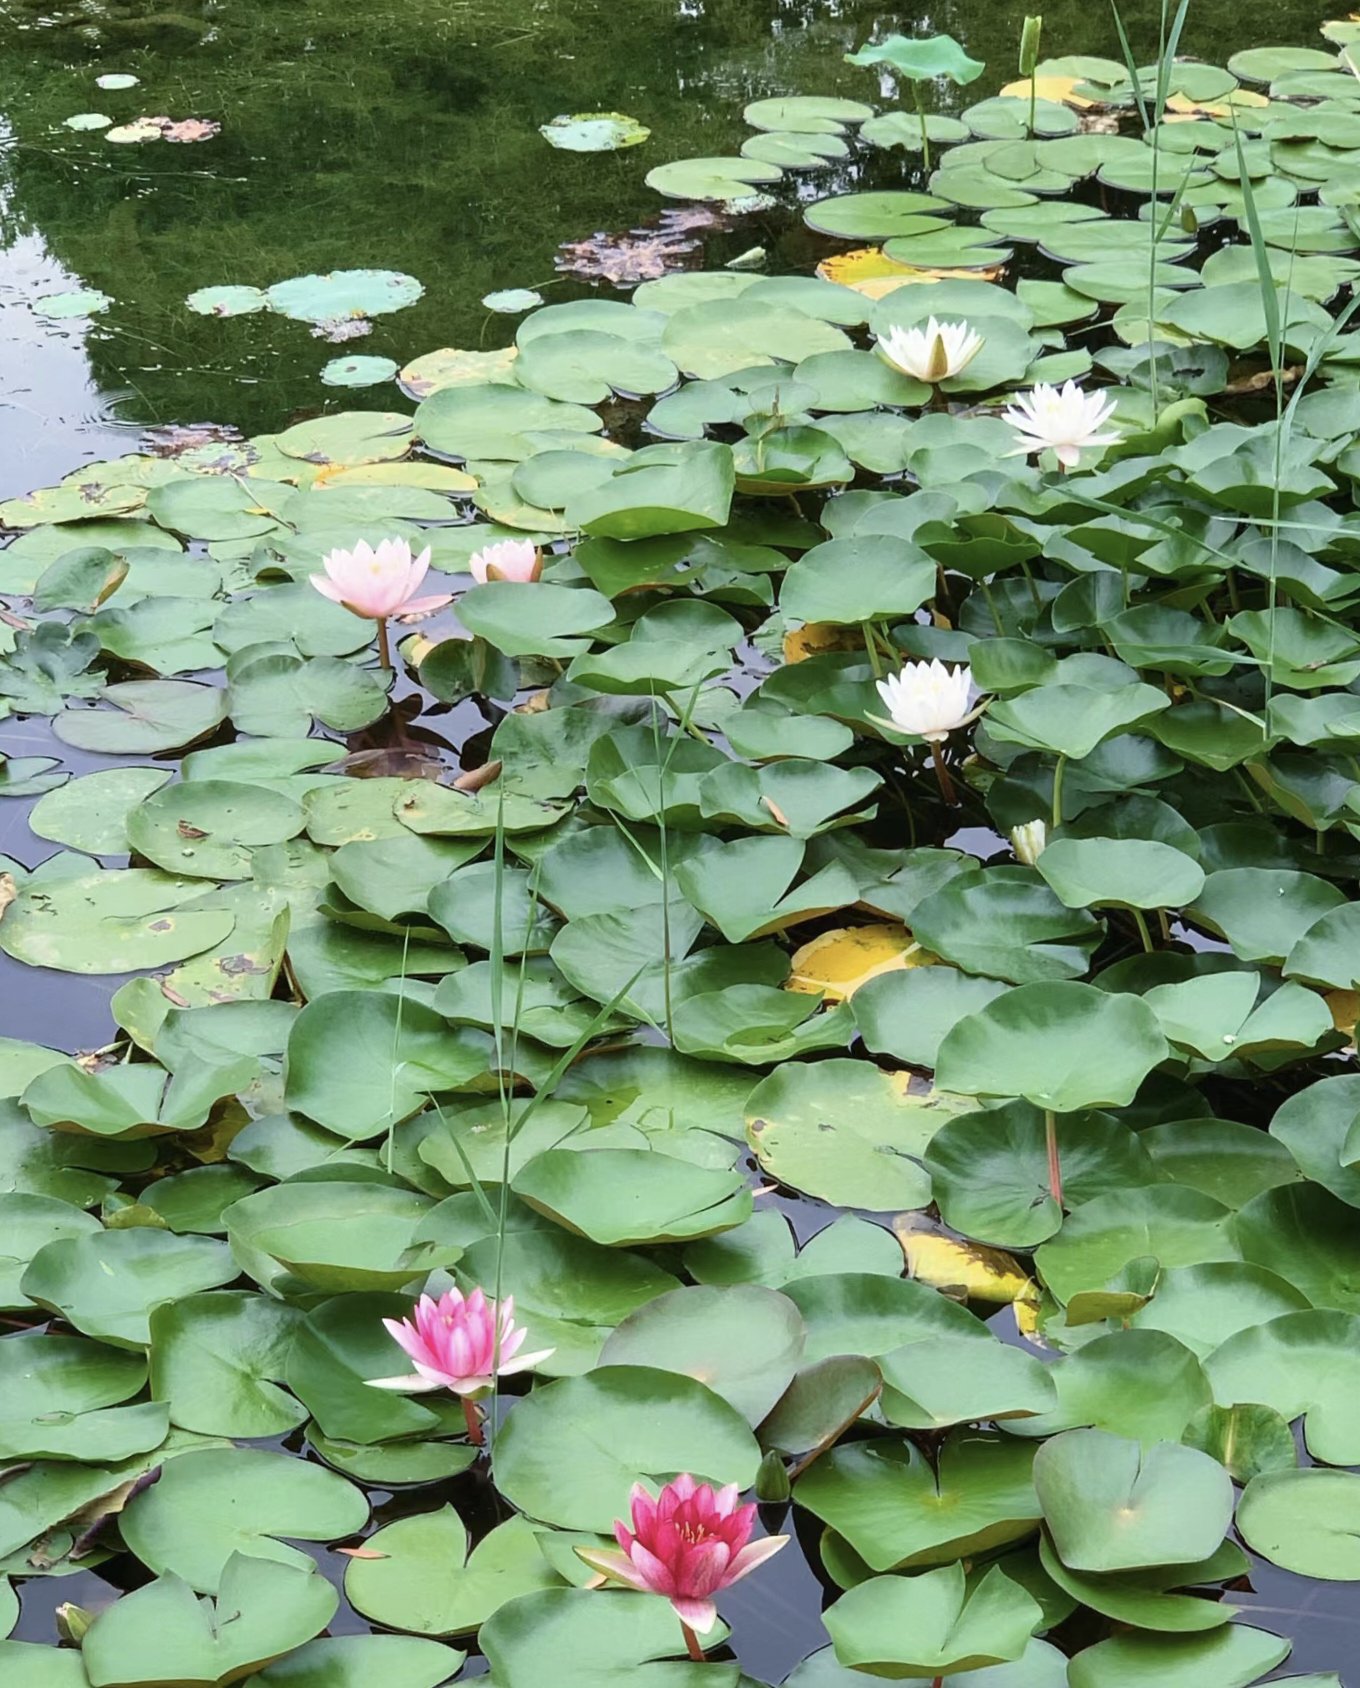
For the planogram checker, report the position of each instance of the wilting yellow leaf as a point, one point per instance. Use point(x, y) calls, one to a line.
point(1059, 89)
point(1239, 97)
point(835, 964)
point(815, 638)
point(448, 367)
point(1344, 1006)
point(949, 1263)
point(435, 477)
point(8, 892)
point(869, 272)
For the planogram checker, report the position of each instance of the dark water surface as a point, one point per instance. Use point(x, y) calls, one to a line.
point(403, 134)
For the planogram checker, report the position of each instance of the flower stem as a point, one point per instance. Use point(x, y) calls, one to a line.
point(384, 652)
point(1058, 773)
point(696, 1652)
point(921, 113)
point(871, 648)
point(474, 1423)
point(947, 790)
point(1142, 925)
point(1055, 1186)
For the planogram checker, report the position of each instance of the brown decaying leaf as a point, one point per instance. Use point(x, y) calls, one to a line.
point(8, 892)
point(477, 778)
point(362, 1553)
point(640, 254)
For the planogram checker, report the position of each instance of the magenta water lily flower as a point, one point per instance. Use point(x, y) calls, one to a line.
point(509, 559)
point(377, 582)
point(460, 1343)
point(689, 1543)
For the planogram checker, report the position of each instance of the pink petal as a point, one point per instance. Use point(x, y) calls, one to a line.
point(427, 605)
point(700, 1615)
point(756, 1553)
point(327, 588)
point(526, 1361)
point(414, 1384)
point(611, 1564)
point(703, 1568)
point(657, 1575)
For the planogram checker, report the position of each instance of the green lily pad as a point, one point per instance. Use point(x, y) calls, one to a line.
point(571, 1452)
point(846, 1132)
point(896, 1510)
point(892, 1625)
point(108, 1284)
point(594, 131)
point(213, 1504)
point(418, 1581)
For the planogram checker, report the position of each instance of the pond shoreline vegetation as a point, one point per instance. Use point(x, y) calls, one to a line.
point(864, 1044)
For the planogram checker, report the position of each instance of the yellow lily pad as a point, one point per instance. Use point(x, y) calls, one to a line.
point(434, 477)
point(815, 638)
point(1238, 99)
point(949, 1263)
point(835, 964)
point(450, 367)
point(1344, 1005)
point(1059, 89)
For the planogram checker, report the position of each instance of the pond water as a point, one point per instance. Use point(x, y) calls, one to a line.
point(406, 138)
point(392, 136)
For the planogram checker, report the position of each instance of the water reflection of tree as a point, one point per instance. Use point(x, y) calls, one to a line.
point(396, 133)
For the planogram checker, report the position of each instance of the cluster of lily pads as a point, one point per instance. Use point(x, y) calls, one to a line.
point(689, 921)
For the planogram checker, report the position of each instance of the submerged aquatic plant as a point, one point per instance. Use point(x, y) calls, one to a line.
point(1064, 419)
point(933, 353)
point(460, 1343)
point(510, 559)
point(378, 582)
point(689, 1543)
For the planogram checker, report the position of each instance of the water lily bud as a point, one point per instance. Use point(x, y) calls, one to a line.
point(1028, 841)
point(772, 1480)
point(1189, 220)
point(72, 1622)
point(1029, 45)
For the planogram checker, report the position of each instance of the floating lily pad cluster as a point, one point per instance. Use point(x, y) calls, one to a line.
point(683, 936)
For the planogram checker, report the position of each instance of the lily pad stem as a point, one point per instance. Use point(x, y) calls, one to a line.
point(384, 651)
point(474, 1423)
point(1055, 1185)
point(871, 646)
point(1142, 925)
point(1058, 773)
point(925, 132)
point(947, 790)
point(695, 1651)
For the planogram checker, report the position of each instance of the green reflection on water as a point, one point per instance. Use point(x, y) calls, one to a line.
point(405, 136)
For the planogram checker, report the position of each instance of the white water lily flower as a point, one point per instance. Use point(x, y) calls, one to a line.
point(927, 699)
point(1066, 419)
point(1028, 841)
point(932, 353)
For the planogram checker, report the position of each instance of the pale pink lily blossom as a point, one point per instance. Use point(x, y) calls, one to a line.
point(508, 559)
point(460, 1343)
point(688, 1544)
point(378, 581)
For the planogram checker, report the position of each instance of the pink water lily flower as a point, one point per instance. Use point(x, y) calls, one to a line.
point(689, 1544)
point(460, 1343)
point(378, 581)
point(509, 559)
